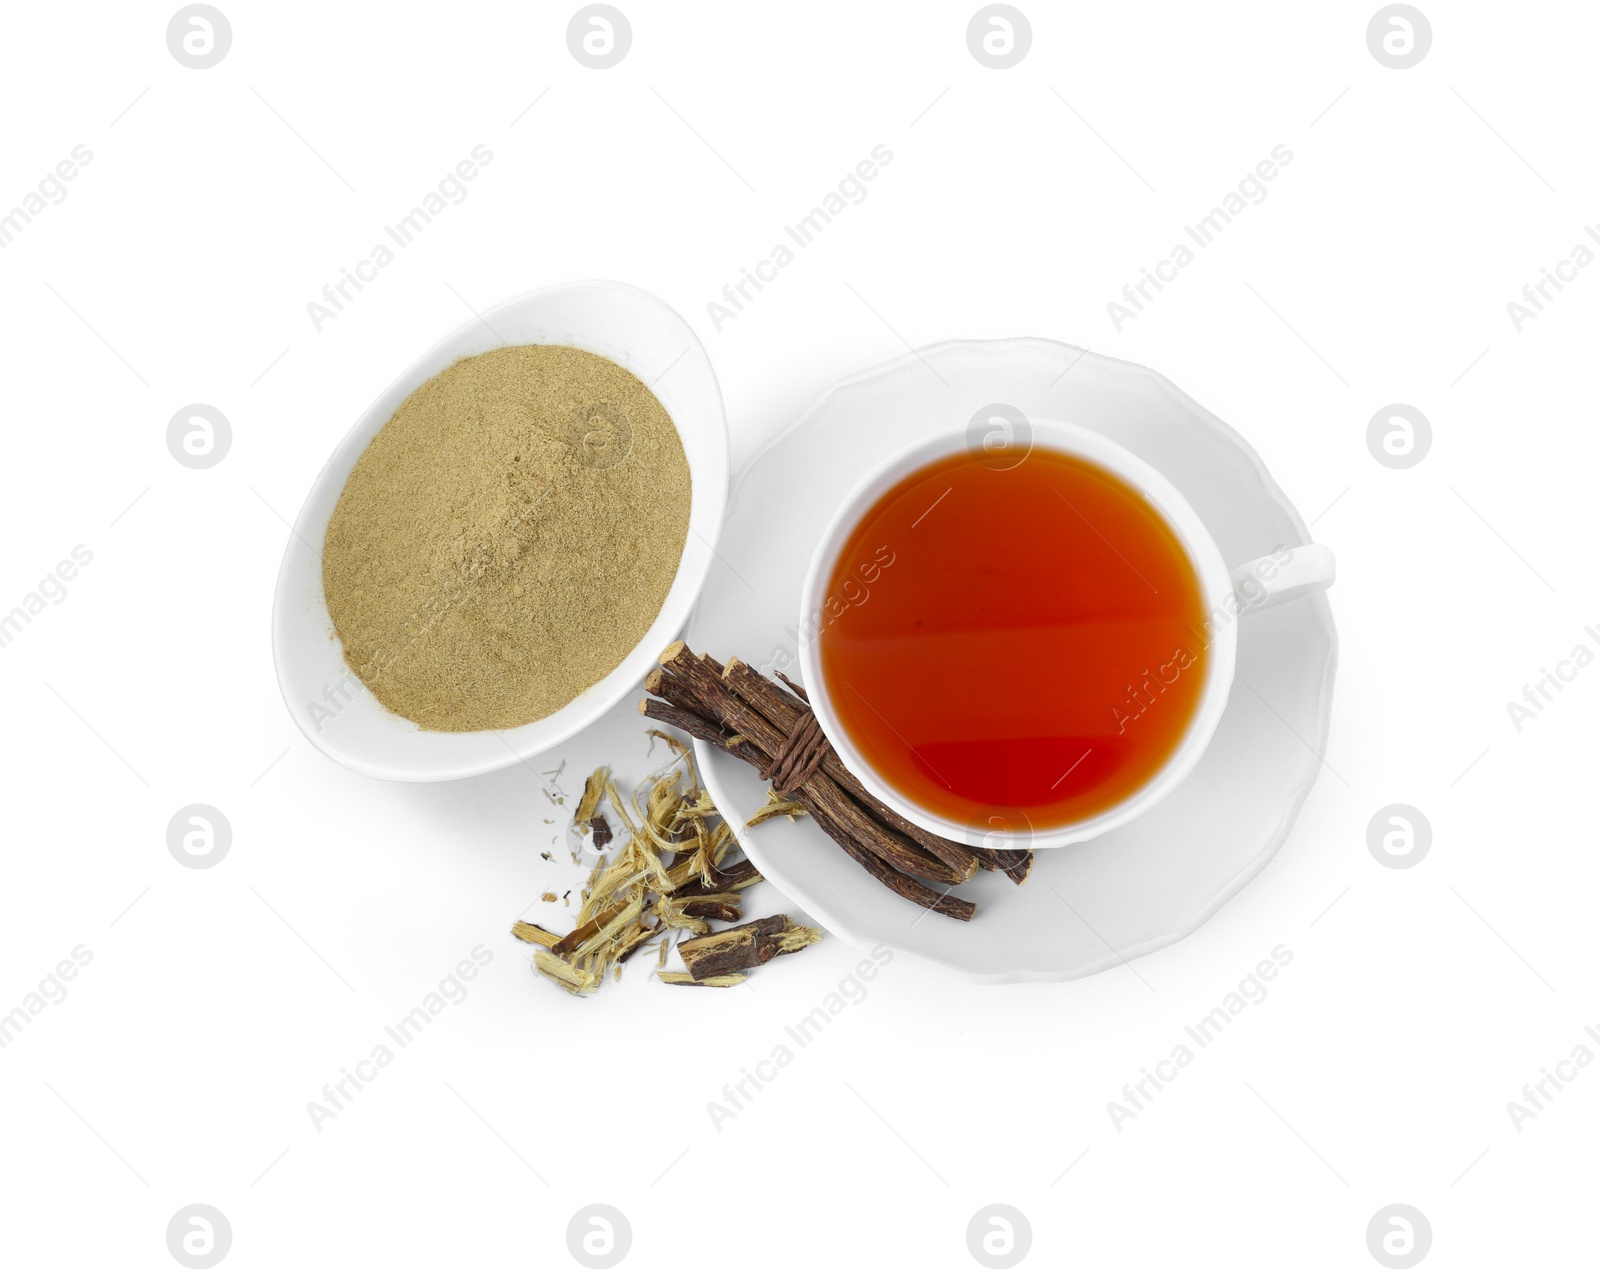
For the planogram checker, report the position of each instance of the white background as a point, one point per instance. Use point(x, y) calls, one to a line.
point(219, 1002)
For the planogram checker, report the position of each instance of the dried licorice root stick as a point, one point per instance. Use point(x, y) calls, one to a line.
point(776, 706)
point(1014, 862)
point(735, 714)
point(785, 708)
point(743, 946)
point(908, 888)
point(740, 876)
point(942, 902)
point(898, 851)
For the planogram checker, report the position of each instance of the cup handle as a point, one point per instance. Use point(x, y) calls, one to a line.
point(1282, 575)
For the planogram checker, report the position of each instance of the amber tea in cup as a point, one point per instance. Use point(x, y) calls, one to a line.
point(1031, 639)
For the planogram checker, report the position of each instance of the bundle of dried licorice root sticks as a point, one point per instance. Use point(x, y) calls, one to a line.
point(770, 726)
point(673, 873)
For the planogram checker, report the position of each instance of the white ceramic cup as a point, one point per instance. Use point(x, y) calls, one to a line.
point(1228, 595)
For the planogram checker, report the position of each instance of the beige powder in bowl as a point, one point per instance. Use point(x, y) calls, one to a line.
point(507, 538)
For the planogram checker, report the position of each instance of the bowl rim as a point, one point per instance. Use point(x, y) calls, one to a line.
point(708, 508)
point(1205, 557)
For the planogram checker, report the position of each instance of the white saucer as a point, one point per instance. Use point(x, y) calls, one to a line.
point(1091, 906)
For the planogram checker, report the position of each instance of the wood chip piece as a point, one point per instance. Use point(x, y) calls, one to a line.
point(677, 978)
point(531, 933)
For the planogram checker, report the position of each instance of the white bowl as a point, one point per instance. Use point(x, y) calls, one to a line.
point(330, 704)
